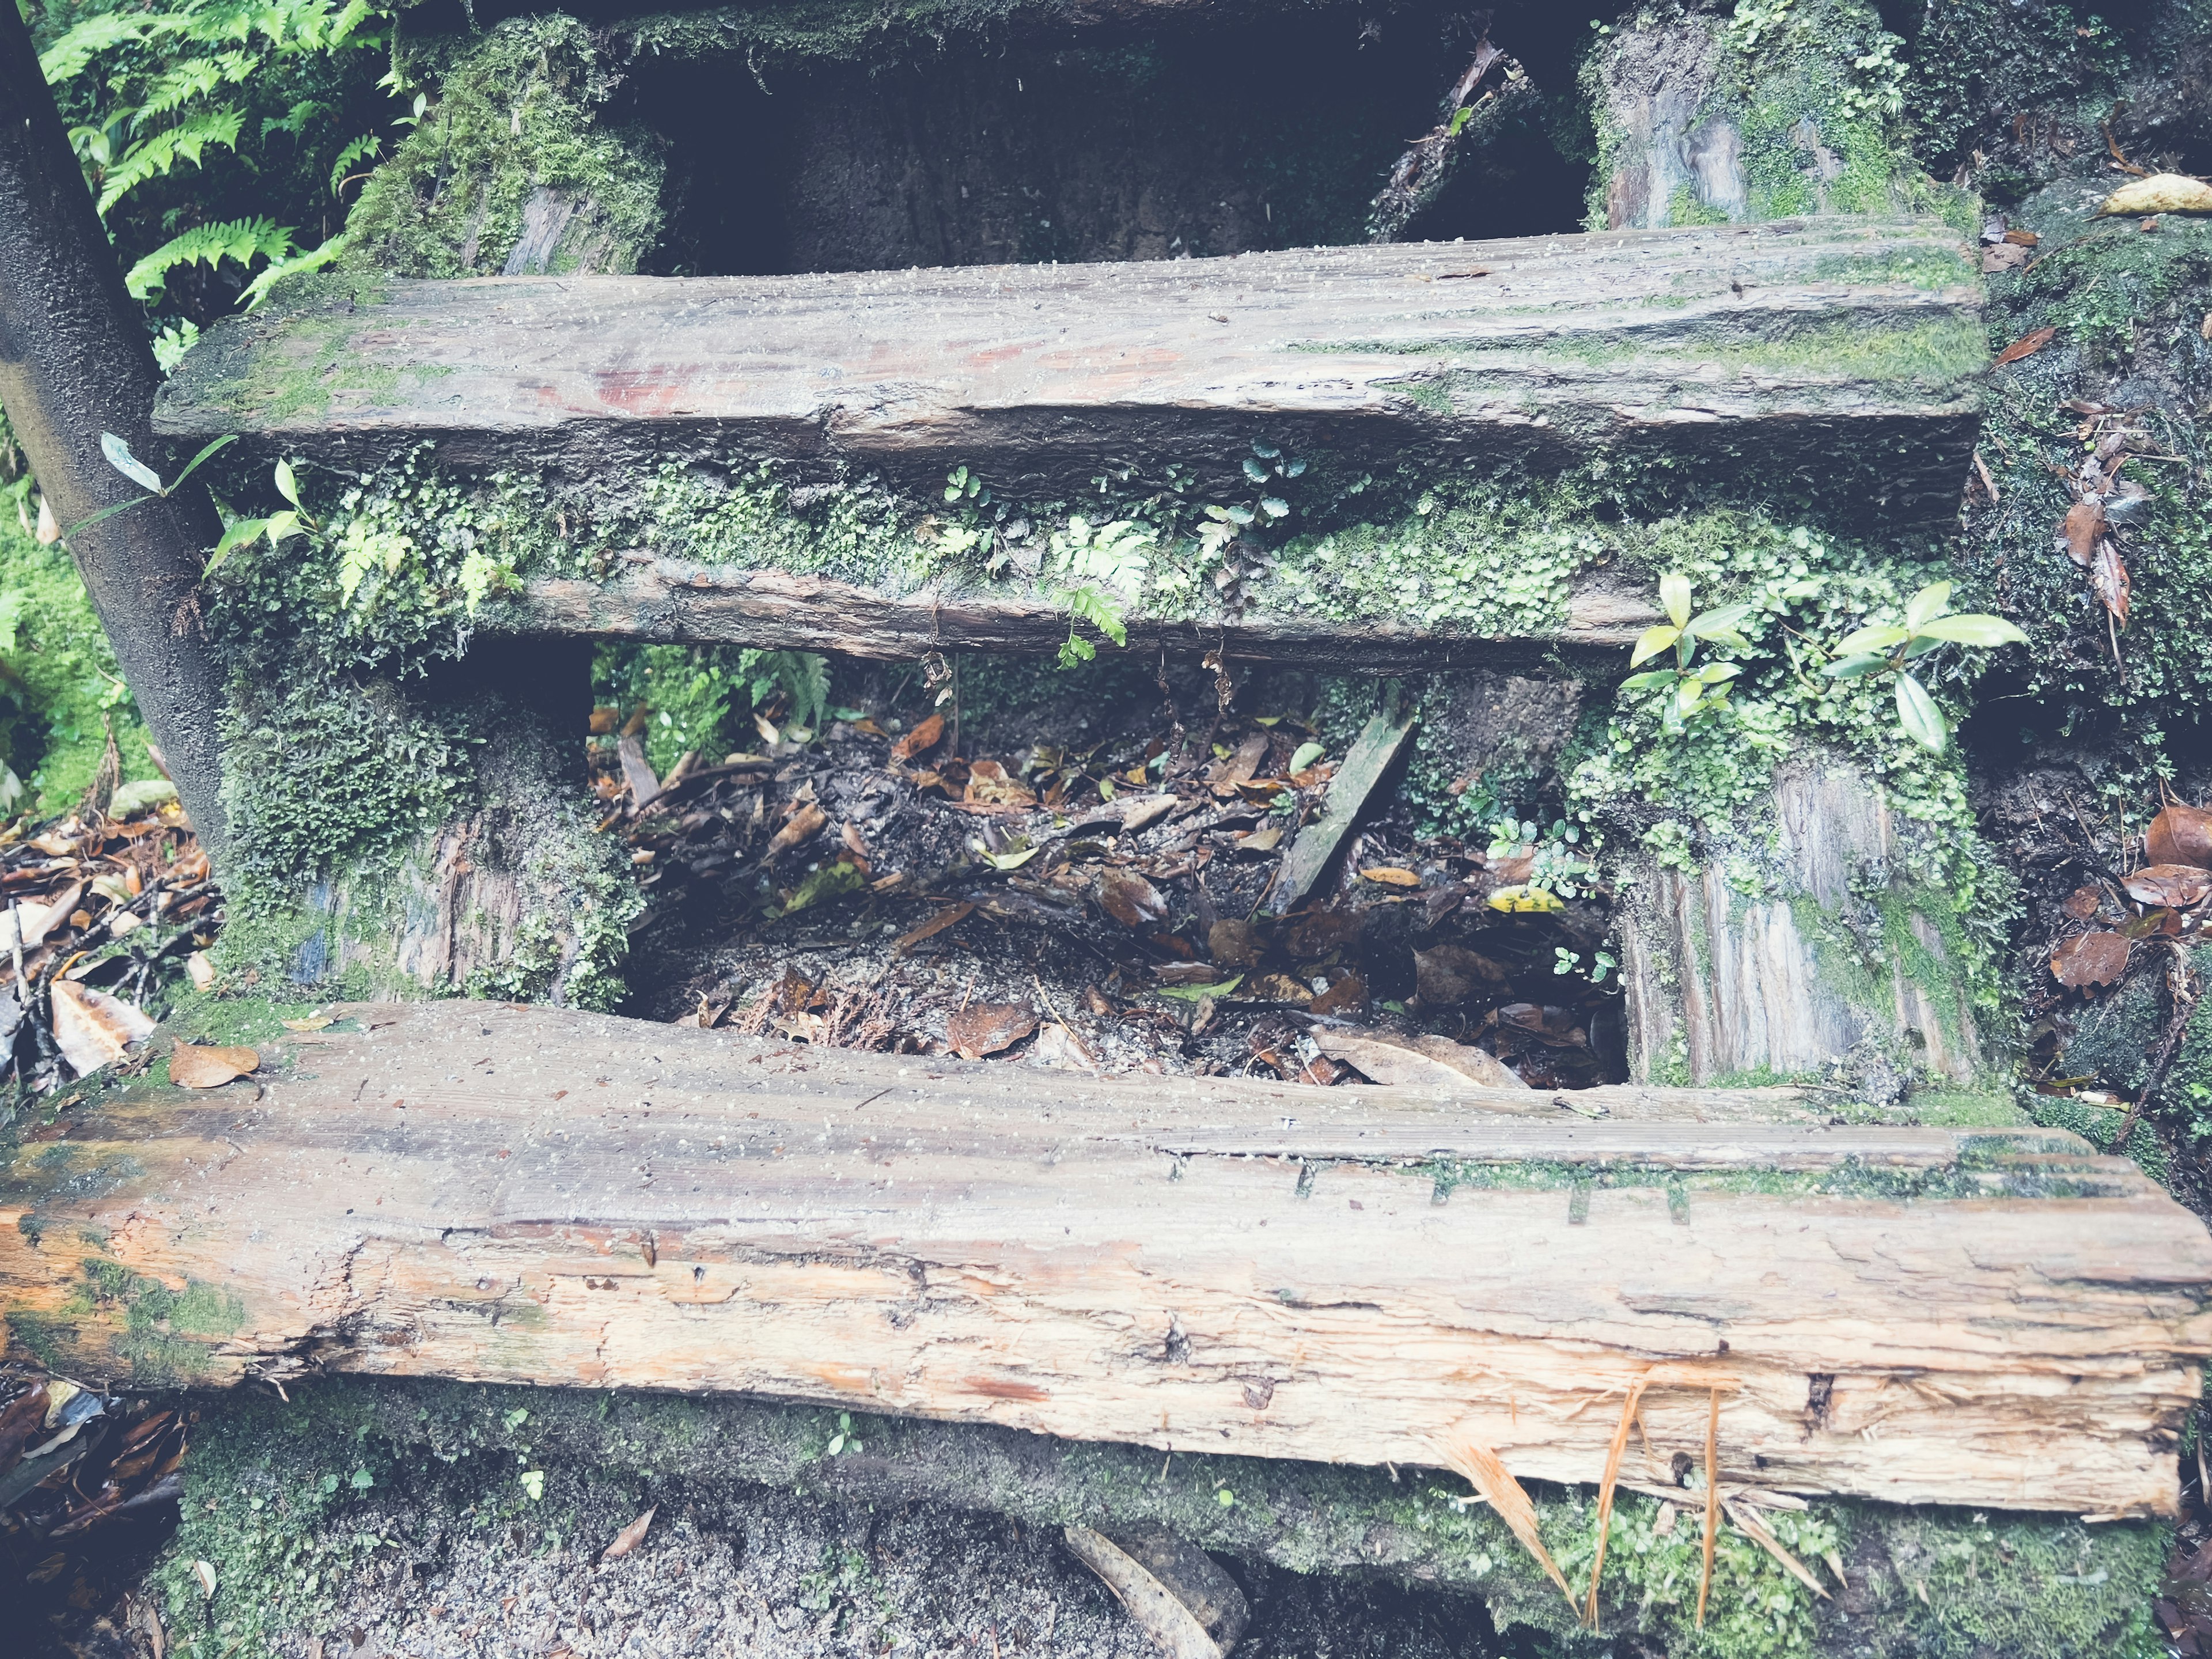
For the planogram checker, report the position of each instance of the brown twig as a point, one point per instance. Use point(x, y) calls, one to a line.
point(1712, 1502)
point(2179, 987)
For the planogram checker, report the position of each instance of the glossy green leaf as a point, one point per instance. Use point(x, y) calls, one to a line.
point(1650, 681)
point(1923, 720)
point(241, 533)
point(287, 485)
point(1877, 636)
point(1929, 603)
point(1651, 642)
point(1675, 595)
point(1989, 632)
point(1853, 667)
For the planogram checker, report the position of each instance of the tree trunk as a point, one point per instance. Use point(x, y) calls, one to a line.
point(75, 363)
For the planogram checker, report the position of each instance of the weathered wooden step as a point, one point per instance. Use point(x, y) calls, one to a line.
point(494, 1191)
point(1838, 354)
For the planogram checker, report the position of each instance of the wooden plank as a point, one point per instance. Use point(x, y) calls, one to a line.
point(1802, 350)
point(526, 1194)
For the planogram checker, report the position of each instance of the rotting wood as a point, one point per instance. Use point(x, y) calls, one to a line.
point(1788, 354)
point(1319, 842)
point(500, 1193)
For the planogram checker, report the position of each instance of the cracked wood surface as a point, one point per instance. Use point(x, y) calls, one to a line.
point(1800, 353)
point(493, 1193)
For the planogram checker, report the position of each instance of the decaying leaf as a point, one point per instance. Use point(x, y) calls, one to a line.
point(204, 1572)
point(1173, 1629)
point(1235, 943)
point(37, 920)
point(92, 1027)
point(2083, 524)
point(802, 825)
point(924, 736)
point(2162, 192)
point(199, 971)
point(2180, 885)
point(985, 1028)
point(1390, 876)
point(2180, 834)
point(192, 1066)
point(1131, 900)
point(1448, 974)
point(1348, 996)
point(947, 917)
point(1425, 1061)
point(2108, 575)
point(644, 783)
point(2027, 346)
point(989, 785)
point(629, 1537)
point(2083, 903)
point(2090, 959)
point(1462, 1451)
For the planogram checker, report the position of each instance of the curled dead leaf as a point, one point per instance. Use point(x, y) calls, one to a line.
point(2180, 834)
point(1448, 974)
point(930, 927)
point(2077, 535)
point(629, 1537)
point(192, 1066)
point(2162, 192)
point(2109, 576)
point(2090, 959)
point(2083, 903)
point(1235, 943)
point(990, 784)
point(924, 736)
point(199, 971)
point(1131, 900)
point(802, 825)
point(1417, 1062)
point(1390, 876)
point(985, 1028)
point(92, 1027)
point(2180, 885)
point(2027, 346)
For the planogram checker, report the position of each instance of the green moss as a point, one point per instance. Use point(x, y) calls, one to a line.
point(516, 113)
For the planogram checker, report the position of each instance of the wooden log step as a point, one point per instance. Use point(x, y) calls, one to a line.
point(1837, 353)
point(497, 1193)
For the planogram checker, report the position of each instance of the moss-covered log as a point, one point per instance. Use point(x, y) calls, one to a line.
point(483, 1191)
point(1838, 356)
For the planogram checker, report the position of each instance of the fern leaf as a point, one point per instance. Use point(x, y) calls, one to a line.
point(313, 259)
point(153, 157)
point(241, 240)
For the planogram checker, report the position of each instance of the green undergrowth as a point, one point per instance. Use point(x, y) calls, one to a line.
point(60, 689)
point(273, 1489)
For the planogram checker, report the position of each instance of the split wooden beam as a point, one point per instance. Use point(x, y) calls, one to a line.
point(1828, 359)
point(497, 1192)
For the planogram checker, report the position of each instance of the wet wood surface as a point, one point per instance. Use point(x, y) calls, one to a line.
point(1790, 352)
point(494, 1193)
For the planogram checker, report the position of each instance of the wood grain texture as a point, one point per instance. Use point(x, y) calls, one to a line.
point(682, 602)
point(488, 1193)
point(1797, 352)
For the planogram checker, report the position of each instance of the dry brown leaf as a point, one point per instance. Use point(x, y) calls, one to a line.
point(1136, 811)
point(2083, 903)
point(850, 835)
point(1131, 900)
point(1425, 1061)
point(990, 784)
point(802, 825)
point(934, 926)
point(603, 721)
point(2180, 834)
point(2180, 885)
point(92, 1027)
point(192, 1066)
point(2162, 192)
point(1390, 876)
point(985, 1028)
point(2091, 959)
point(37, 920)
point(199, 971)
point(1348, 996)
point(2084, 524)
point(2004, 256)
point(1235, 943)
point(1463, 1452)
point(924, 736)
point(2109, 576)
point(1448, 974)
point(643, 783)
point(629, 1537)
point(2027, 346)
